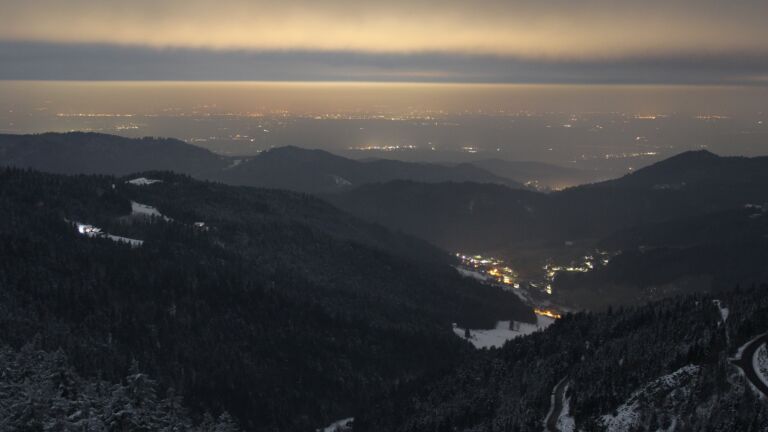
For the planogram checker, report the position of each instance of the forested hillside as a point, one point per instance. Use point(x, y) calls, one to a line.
point(468, 216)
point(706, 252)
point(272, 306)
point(455, 216)
point(91, 153)
point(661, 366)
point(40, 391)
point(639, 275)
point(318, 171)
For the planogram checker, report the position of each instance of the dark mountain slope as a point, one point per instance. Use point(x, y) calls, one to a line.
point(668, 190)
point(319, 171)
point(281, 310)
point(638, 276)
point(455, 216)
point(539, 174)
point(708, 252)
point(741, 224)
point(91, 153)
point(689, 184)
point(695, 169)
point(289, 168)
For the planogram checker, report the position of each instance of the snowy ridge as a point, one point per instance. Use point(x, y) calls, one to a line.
point(143, 181)
point(504, 331)
point(672, 389)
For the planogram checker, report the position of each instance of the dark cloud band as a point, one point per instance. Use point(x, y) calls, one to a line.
point(47, 61)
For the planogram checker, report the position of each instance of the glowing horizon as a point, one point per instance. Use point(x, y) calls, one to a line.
point(560, 29)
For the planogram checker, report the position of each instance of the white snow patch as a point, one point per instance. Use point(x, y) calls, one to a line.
point(94, 232)
point(723, 310)
point(544, 321)
point(143, 181)
point(341, 181)
point(130, 241)
point(138, 209)
point(760, 363)
point(234, 163)
point(566, 422)
point(628, 415)
point(89, 230)
point(342, 425)
point(472, 274)
point(504, 331)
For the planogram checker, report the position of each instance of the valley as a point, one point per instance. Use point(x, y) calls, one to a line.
point(383, 216)
point(352, 294)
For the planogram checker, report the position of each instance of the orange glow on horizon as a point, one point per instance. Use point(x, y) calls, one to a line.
point(601, 29)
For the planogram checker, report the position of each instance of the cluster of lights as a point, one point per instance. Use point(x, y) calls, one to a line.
point(711, 117)
point(491, 267)
point(89, 230)
point(386, 148)
point(630, 155)
point(126, 127)
point(547, 313)
point(648, 116)
point(92, 115)
point(587, 264)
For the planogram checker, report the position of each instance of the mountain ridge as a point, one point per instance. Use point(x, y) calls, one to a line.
point(291, 167)
point(653, 194)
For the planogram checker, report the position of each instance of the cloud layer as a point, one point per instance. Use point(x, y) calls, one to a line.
point(531, 28)
point(43, 61)
point(696, 41)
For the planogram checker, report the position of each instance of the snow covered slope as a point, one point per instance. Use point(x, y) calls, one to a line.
point(504, 331)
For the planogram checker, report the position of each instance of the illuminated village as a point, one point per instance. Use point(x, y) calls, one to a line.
point(495, 271)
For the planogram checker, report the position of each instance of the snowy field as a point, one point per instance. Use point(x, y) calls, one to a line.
point(504, 331)
point(138, 209)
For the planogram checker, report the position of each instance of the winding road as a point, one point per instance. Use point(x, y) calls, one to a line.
point(746, 364)
point(558, 395)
